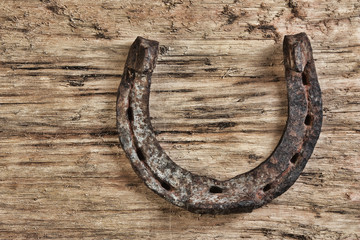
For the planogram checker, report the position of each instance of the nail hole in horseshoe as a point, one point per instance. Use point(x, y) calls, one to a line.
point(130, 114)
point(305, 79)
point(294, 159)
point(140, 154)
point(267, 187)
point(165, 185)
point(215, 189)
point(308, 120)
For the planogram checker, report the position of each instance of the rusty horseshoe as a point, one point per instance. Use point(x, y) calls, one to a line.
point(244, 192)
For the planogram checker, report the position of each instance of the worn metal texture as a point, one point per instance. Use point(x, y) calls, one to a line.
point(201, 194)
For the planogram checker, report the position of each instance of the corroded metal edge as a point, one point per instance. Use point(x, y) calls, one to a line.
point(201, 194)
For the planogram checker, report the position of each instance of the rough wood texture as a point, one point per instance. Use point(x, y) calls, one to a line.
point(218, 104)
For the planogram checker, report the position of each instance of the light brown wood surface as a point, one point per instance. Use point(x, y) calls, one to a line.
point(218, 104)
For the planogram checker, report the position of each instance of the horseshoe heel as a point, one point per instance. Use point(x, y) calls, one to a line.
point(201, 194)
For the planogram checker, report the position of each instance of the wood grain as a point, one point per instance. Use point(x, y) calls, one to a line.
point(218, 104)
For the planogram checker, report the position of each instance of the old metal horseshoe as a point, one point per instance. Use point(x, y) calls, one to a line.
point(201, 194)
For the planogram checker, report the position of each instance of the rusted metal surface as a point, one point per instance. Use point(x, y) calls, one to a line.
point(202, 194)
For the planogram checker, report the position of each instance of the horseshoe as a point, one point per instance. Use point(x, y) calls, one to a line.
point(202, 194)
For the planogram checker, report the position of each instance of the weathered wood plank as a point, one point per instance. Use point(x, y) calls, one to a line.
point(218, 104)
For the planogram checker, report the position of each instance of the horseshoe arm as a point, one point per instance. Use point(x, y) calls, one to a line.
point(202, 194)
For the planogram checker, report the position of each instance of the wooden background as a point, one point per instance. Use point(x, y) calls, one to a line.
point(218, 105)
